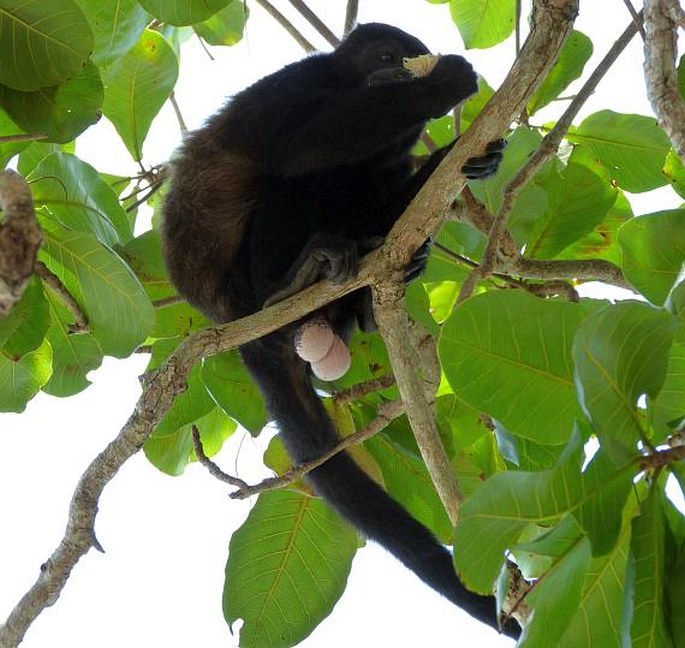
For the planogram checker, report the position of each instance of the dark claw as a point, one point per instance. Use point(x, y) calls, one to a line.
point(418, 262)
point(479, 168)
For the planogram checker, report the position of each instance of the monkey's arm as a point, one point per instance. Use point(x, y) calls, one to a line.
point(355, 124)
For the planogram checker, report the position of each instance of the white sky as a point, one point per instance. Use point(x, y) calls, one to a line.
point(166, 539)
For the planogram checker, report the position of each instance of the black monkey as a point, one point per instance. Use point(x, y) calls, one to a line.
point(292, 181)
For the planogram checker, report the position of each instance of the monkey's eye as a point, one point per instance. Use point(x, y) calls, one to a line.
point(386, 57)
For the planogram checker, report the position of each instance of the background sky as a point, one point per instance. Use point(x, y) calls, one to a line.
point(166, 539)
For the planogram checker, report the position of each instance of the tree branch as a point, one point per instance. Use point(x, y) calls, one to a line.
point(661, 46)
point(315, 22)
point(387, 412)
point(20, 238)
point(287, 25)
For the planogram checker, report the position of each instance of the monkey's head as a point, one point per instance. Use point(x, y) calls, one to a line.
point(373, 54)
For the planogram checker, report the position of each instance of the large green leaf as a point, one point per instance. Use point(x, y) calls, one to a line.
point(408, 481)
point(509, 354)
point(232, 388)
point(118, 312)
point(600, 619)
point(495, 516)
point(42, 43)
point(649, 623)
point(287, 566)
point(621, 353)
point(79, 199)
point(23, 328)
point(654, 252)
point(21, 380)
point(184, 13)
point(9, 149)
point(483, 24)
point(74, 354)
point(569, 66)
point(668, 408)
point(171, 451)
point(136, 87)
point(60, 112)
point(556, 597)
point(633, 148)
point(226, 26)
point(117, 26)
point(578, 200)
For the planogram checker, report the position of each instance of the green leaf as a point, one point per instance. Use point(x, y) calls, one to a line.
point(522, 142)
point(649, 623)
point(117, 26)
point(21, 380)
point(599, 619)
point(232, 388)
point(34, 154)
point(675, 592)
point(42, 44)
point(621, 354)
point(184, 13)
point(192, 404)
point(172, 451)
point(509, 354)
point(79, 199)
point(654, 252)
point(226, 26)
point(633, 148)
point(569, 66)
point(287, 567)
point(556, 596)
point(23, 329)
point(577, 201)
point(495, 516)
point(674, 170)
point(408, 481)
point(668, 408)
point(60, 112)
point(74, 354)
point(118, 312)
point(605, 491)
point(136, 87)
point(9, 149)
point(483, 24)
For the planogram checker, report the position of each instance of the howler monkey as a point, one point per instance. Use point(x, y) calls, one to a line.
point(292, 181)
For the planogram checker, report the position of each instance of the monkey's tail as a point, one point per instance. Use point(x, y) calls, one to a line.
point(308, 432)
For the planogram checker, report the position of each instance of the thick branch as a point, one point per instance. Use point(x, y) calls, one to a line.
point(661, 47)
point(20, 238)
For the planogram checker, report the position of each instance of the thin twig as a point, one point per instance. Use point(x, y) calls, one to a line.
point(315, 22)
point(163, 302)
point(387, 412)
point(22, 137)
point(637, 18)
point(351, 15)
point(364, 389)
point(55, 283)
point(177, 111)
point(287, 25)
point(214, 470)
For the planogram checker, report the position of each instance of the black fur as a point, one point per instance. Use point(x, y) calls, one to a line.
point(293, 180)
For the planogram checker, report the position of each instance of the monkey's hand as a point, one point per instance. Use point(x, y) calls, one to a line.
point(326, 256)
point(479, 168)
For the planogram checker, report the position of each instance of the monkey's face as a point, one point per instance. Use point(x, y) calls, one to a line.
point(377, 52)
